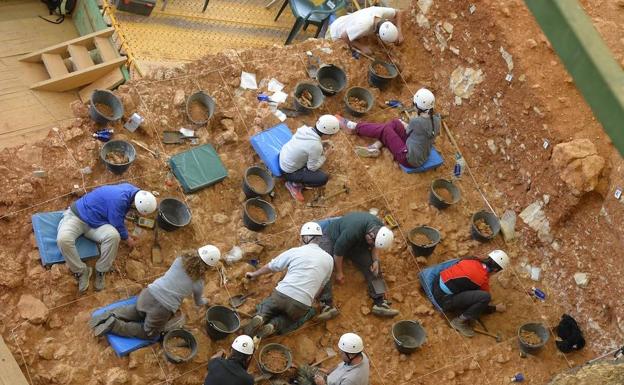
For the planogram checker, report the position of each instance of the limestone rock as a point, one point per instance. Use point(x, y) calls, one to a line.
point(252, 249)
point(508, 225)
point(463, 81)
point(228, 124)
point(535, 218)
point(581, 279)
point(32, 309)
point(579, 164)
point(220, 218)
point(421, 310)
point(178, 98)
point(135, 270)
point(116, 376)
point(305, 348)
point(365, 310)
point(501, 358)
point(12, 272)
point(79, 109)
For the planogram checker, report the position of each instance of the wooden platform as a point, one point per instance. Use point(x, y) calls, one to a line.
point(10, 372)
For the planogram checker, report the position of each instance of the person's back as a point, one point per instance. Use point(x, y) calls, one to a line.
point(467, 274)
point(174, 286)
point(304, 149)
point(350, 229)
point(421, 137)
point(309, 269)
point(222, 371)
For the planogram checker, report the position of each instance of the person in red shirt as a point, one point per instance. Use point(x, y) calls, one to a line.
point(465, 288)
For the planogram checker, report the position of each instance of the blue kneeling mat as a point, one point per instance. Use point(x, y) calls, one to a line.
point(45, 227)
point(198, 168)
point(268, 145)
point(434, 161)
point(124, 345)
point(428, 275)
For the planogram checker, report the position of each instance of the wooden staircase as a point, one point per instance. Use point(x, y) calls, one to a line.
point(71, 64)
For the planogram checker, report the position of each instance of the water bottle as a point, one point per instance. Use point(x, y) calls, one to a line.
point(264, 98)
point(460, 164)
point(394, 103)
point(517, 378)
point(104, 135)
point(538, 293)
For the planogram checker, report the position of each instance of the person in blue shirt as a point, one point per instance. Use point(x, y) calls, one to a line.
point(99, 215)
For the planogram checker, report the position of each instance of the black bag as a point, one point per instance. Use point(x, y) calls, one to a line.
point(59, 8)
point(571, 336)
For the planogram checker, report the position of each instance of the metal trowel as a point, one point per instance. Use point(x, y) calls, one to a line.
point(314, 62)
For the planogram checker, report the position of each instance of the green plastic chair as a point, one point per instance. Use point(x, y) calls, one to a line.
point(307, 13)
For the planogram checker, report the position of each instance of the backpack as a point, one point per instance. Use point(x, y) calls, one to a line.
point(570, 335)
point(59, 8)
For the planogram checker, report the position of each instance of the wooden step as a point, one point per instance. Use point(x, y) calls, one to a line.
point(54, 64)
point(10, 372)
point(106, 48)
point(79, 78)
point(87, 41)
point(80, 56)
point(106, 82)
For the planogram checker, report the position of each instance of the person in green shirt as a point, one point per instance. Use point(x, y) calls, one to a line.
point(358, 236)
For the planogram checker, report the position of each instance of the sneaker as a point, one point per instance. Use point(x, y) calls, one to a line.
point(367, 152)
point(327, 313)
point(83, 280)
point(104, 327)
point(295, 191)
point(266, 331)
point(98, 319)
point(383, 309)
point(344, 124)
point(254, 324)
point(462, 327)
point(175, 323)
point(99, 281)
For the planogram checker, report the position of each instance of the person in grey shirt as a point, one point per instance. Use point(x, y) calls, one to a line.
point(159, 301)
point(354, 368)
point(410, 143)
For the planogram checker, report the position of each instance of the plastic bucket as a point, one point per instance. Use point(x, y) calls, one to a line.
point(381, 81)
point(221, 321)
point(332, 79)
point(315, 91)
point(256, 224)
point(408, 336)
point(173, 214)
point(271, 347)
point(204, 99)
point(362, 94)
point(120, 146)
point(109, 99)
point(491, 220)
point(249, 190)
point(188, 338)
point(536, 328)
point(438, 200)
point(429, 232)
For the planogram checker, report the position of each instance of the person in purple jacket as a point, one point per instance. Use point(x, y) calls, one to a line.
point(99, 215)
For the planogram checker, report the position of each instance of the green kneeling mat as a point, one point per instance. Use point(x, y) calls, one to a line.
point(198, 168)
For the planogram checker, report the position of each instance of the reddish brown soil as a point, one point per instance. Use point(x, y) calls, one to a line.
point(420, 239)
point(104, 109)
point(381, 70)
point(444, 194)
point(275, 360)
point(530, 338)
point(117, 157)
point(357, 104)
point(483, 227)
point(305, 98)
point(256, 183)
point(178, 346)
point(257, 214)
point(198, 111)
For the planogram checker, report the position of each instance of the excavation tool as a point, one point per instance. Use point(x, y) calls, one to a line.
point(317, 202)
point(290, 112)
point(314, 62)
point(363, 54)
point(144, 146)
point(496, 336)
point(175, 137)
point(238, 300)
point(156, 254)
point(390, 221)
point(331, 353)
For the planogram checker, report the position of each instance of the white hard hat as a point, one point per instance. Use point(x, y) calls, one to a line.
point(424, 99)
point(209, 254)
point(388, 32)
point(500, 257)
point(243, 344)
point(351, 343)
point(311, 228)
point(145, 202)
point(328, 124)
point(384, 238)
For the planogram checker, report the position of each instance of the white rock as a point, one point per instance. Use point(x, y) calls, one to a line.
point(508, 59)
point(581, 279)
point(424, 5)
point(220, 218)
point(178, 97)
point(463, 81)
point(492, 146)
point(32, 309)
point(448, 27)
point(508, 225)
point(535, 218)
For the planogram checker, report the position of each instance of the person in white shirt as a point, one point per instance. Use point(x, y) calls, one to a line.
point(354, 368)
point(308, 274)
point(383, 21)
point(301, 158)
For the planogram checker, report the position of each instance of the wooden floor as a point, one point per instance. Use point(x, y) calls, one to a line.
point(27, 115)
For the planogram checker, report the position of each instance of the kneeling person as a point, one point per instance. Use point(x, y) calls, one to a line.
point(159, 301)
point(354, 368)
point(302, 156)
point(233, 369)
point(308, 272)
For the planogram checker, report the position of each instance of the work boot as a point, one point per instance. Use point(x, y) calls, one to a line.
point(253, 324)
point(99, 280)
point(104, 327)
point(266, 331)
point(367, 152)
point(383, 309)
point(83, 279)
point(462, 327)
point(327, 313)
point(175, 323)
point(346, 125)
point(98, 319)
point(295, 191)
